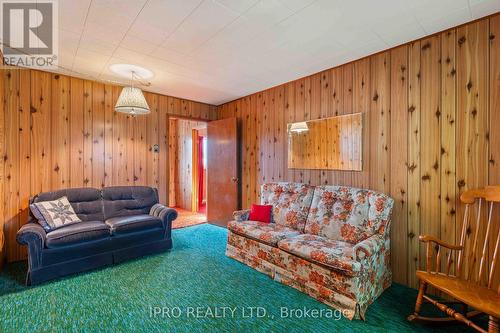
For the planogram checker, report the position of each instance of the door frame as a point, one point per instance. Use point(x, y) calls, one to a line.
point(194, 158)
point(195, 176)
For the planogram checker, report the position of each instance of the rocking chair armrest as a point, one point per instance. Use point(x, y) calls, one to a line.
point(428, 238)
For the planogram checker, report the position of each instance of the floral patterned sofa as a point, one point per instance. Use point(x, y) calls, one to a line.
point(330, 242)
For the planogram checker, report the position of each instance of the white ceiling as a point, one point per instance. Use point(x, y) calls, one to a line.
point(215, 51)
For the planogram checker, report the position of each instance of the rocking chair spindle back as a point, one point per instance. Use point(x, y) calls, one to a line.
point(472, 281)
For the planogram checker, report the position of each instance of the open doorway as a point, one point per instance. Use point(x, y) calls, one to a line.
point(199, 135)
point(188, 170)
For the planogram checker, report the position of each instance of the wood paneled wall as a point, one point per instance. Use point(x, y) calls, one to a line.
point(431, 130)
point(58, 131)
point(181, 161)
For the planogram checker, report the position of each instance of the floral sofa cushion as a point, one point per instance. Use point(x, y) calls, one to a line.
point(347, 214)
point(379, 214)
point(336, 254)
point(291, 203)
point(269, 233)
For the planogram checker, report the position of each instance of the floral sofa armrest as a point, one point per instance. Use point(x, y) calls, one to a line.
point(369, 247)
point(241, 215)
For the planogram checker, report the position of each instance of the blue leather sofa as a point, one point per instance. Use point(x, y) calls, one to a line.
point(119, 223)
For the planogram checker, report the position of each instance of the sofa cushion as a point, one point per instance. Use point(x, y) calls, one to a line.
point(291, 203)
point(131, 223)
point(379, 213)
point(332, 253)
point(86, 202)
point(77, 233)
point(269, 233)
point(340, 213)
point(128, 200)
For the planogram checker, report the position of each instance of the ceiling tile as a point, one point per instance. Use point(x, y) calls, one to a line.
point(91, 55)
point(297, 5)
point(72, 15)
point(239, 6)
point(84, 64)
point(70, 41)
point(480, 8)
point(217, 50)
point(310, 24)
point(257, 21)
point(117, 8)
point(203, 23)
point(123, 13)
point(267, 13)
point(169, 55)
point(138, 44)
point(129, 56)
point(65, 59)
point(109, 34)
point(397, 34)
point(427, 12)
point(457, 17)
point(101, 46)
point(162, 17)
point(147, 32)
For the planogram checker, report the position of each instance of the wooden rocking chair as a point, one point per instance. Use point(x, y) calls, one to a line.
point(466, 287)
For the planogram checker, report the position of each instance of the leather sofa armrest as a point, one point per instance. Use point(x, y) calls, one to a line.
point(369, 247)
point(33, 235)
point(166, 214)
point(241, 215)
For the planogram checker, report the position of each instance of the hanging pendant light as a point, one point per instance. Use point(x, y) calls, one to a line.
point(131, 100)
point(299, 127)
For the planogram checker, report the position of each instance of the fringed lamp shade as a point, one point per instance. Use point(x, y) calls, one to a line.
point(132, 101)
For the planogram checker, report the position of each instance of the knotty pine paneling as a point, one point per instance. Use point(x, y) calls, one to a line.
point(472, 109)
point(40, 108)
point(361, 103)
point(24, 146)
point(151, 139)
point(87, 133)
point(379, 123)
point(430, 132)
point(494, 120)
point(77, 119)
point(163, 135)
point(399, 157)
point(430, 137)
point(12, 157)
point(2, 167)
point(58, 131)
point(173, 161)
point(413, 217)
point(109, 114)
point(448, 142)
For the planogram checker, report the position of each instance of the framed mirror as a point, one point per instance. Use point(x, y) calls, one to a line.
point(328, 144)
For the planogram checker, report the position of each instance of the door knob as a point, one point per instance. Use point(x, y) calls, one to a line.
point(234, 179)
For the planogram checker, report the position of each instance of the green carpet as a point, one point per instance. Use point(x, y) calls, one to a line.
point(196, 273)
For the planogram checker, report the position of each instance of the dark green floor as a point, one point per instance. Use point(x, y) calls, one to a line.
point(194, 274)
